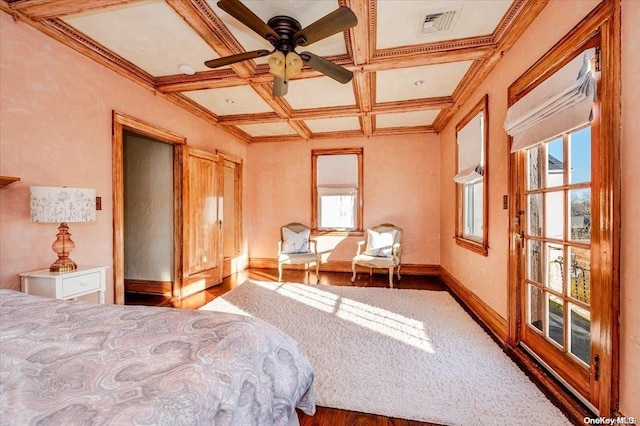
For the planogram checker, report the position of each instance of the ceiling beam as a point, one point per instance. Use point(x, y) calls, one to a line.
point(47, 9)
point(359, 39)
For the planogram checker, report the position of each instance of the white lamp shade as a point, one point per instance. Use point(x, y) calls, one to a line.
point(62, 205)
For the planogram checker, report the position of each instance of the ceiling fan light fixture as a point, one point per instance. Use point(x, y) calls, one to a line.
point(277, 64)
point(293, 65)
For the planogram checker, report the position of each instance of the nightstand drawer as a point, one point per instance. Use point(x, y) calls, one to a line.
point(80, 284)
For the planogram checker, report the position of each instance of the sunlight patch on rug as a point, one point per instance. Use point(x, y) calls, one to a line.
point(382, 321)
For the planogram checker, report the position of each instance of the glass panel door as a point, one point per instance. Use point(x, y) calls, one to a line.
point(557, 243)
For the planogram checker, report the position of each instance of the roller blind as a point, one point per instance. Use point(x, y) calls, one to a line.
point(471, 150)
point(560, 103)
point(338, 171)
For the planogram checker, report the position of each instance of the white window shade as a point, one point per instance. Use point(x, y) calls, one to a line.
point(337, 171)
point(470, 150)
point(560, 103)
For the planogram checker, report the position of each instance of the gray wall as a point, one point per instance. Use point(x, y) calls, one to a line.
point(148, 209)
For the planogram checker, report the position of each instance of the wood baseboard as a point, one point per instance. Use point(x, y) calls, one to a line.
point(345, 266)
point(491, 319)
point(163, 288)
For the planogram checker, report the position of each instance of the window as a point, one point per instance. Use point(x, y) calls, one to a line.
point(471, 180)
point(337, 189)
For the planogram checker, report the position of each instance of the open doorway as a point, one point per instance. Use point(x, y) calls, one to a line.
point(148, 215)
point(124, 127)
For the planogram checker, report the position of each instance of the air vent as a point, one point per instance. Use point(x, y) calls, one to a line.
point(440, 21)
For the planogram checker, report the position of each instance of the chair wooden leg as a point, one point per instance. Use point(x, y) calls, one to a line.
point(279, 272)
point(398, 272)
point(318, 270)
point(353, 268)
point(391, 277)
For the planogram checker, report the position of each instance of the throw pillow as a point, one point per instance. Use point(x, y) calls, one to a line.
point(295, 242)
point(380, 244)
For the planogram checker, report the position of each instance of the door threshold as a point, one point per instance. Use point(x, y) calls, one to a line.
point(564, 383)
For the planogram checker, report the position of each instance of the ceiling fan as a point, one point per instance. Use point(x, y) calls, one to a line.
point(285, 34)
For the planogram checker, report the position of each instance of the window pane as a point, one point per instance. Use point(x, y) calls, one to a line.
point(536, 307)
point(555, 165)
point(337, 211)
point(580, 158)
point(535, 168)
point(580, 333)
point(534, 265)
point(554, 217)
point(580, 219)
point(473, 209)
point(535, 215)
point(555, 267)
point(555, 320)
point(580, 274)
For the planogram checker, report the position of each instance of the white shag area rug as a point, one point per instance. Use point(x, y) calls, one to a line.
point(412, 354)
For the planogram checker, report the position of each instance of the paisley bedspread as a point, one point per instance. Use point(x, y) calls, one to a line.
point(75, 363)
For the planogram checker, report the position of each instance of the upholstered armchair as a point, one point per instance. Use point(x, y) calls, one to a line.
point(382, 249)
point(296, 247)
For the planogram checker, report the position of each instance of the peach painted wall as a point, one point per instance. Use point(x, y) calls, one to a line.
point(630, 244)
point(401, 186)
point(487, 276)
point(55, 129)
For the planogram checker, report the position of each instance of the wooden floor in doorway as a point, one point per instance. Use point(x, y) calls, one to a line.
point(324, 416)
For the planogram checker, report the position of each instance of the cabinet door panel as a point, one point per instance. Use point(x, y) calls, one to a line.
point(202, 245)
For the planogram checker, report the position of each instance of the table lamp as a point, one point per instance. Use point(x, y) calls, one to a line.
point(62, 205)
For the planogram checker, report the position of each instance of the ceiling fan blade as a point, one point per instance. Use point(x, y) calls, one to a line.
point(337, 21)
point(243, 14)
point(227, 60)
point(328, 68)
point(280, 86)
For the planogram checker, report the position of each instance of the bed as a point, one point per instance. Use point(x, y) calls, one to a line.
point(66, 362)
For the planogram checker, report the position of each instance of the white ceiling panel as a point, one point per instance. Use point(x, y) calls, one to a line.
point(149, 34)
point(319, 92)
point(474, 18)
point(230, 100)
point(406, 119)
point(268, 129)
point(437, 80)
point(324, 125)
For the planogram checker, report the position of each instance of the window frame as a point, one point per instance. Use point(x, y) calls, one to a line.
point(477, 245)
point(315, 153)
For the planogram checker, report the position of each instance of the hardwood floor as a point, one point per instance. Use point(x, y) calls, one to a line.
point(324, 416)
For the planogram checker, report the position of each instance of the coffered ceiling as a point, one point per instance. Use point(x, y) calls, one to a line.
point(414, 62)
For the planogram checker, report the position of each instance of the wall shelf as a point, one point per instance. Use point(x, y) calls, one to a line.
point(7, 180)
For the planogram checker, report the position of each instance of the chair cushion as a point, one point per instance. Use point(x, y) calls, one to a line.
point(297, 258)
point(380, 244)
point(295, 242)
point(375, 261)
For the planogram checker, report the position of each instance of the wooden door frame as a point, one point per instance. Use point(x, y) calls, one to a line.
point(120, 124)
point(604, 21)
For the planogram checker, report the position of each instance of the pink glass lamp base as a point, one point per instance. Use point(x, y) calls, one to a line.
point(63, 245)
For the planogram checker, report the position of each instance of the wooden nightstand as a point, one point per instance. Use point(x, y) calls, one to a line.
point(66, 285)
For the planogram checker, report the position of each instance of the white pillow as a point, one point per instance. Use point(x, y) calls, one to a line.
point(380, 244)
point(295, 242)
